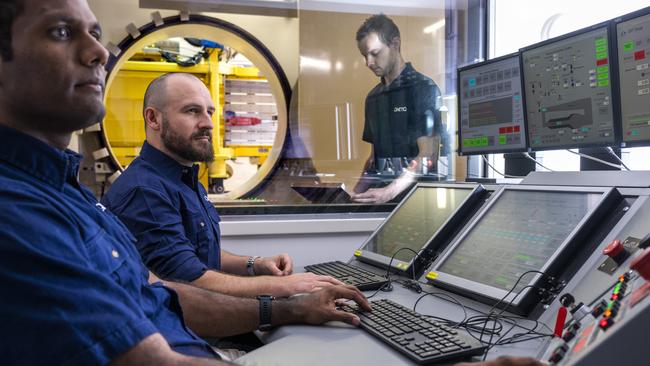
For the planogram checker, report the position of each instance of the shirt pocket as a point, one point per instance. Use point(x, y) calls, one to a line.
point(110, 258)
point(199, 231)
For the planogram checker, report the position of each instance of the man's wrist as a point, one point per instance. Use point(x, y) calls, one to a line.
point(250, 264)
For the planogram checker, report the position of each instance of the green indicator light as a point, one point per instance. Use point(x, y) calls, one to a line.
point(523, 257)
point(617, 287)
point(603, 76)
point(611, 303)
point(600, 41)
point(602, 48)
point(467, 142)
point(603, 82)
point(635, 132)
point(502, 139)
point(601, 55)
point(601, 69)
point(628, 46)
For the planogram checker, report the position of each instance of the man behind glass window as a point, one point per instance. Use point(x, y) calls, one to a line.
point(402, 117)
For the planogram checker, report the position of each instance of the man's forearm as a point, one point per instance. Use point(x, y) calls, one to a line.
point(240, 286)
point(210, 314)
point(232, 263)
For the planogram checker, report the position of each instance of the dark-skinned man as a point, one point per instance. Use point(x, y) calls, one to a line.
point(74, 287)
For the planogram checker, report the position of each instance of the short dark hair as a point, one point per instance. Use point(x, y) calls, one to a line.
point(380, 24)
point(9, 11)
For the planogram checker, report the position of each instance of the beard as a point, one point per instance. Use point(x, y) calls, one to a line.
point(183, 147)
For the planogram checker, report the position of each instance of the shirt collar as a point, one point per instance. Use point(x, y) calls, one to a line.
point(51, 165)
point(408, 69)
point(167, 166)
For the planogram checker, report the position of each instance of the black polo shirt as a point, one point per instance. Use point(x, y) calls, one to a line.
point(398, 113)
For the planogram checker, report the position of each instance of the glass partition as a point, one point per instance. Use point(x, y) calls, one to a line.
point(343, 125)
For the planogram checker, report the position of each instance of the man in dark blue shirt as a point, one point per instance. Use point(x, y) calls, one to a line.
point(74, 288)
point(160, 199)
point(402, 113)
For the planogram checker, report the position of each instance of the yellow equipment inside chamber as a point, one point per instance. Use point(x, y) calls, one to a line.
point(124, 125)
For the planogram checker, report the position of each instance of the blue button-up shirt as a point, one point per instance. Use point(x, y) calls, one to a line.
point(74, 290)
point(168, 211)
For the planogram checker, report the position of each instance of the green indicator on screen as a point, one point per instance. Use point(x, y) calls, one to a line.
point(467, 142)
point(484, 141)
point(603, 76)
point(601, 41)
point(635, 132)
point(601, 69)
point(523, 257)
point(628, 46)
point(601, 55)
point(502, 139)
point(601, 48)
point(603, 82)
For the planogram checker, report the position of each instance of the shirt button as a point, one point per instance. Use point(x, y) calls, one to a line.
point(115, 254)
point(202, 224)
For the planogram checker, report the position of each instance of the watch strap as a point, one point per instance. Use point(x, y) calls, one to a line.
point(250, 264)
point(265, 311)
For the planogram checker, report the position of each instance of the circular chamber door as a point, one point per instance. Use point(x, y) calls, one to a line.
point(249, 89)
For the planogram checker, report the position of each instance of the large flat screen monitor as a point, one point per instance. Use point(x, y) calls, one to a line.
point(491, 107)
point(633, 46)
point(424, 219)
point(568, 90)
point(521, 229)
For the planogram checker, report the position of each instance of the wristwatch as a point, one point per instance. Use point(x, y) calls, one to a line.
point(265, 312)
point(250, 264)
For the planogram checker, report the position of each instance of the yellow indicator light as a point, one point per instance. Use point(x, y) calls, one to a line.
point(432, 275)
point(357, 253)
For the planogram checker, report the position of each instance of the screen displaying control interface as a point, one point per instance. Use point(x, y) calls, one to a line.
point(568, 92)
point(520, 232)
point(633, 38)
point(491, 110)
point(415, 221)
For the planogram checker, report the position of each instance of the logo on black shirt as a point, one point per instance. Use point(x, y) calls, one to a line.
point(399, 109)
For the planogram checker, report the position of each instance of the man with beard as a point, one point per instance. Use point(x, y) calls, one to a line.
point(160, 199)
point(75, 289)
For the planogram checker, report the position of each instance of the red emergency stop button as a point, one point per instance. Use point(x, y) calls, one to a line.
point(614, 249)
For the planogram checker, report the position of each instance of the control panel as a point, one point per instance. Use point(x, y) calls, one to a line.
point(612, 328)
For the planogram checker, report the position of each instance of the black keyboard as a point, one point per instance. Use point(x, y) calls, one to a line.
point(415, 335)
point(355, 276)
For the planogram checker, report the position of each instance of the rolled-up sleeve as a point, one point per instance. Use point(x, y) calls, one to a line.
point(161, 237)
point(52, 286)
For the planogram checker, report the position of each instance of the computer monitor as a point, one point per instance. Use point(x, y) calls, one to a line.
point(491, 107)
point(568, 90)
point(421, 222)
point(633, 46)
point(521, 229)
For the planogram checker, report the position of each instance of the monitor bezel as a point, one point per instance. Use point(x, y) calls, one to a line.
point(606, 25)
point(460, 150)
point(476, 192)
point(618, 98)
point(519, 301)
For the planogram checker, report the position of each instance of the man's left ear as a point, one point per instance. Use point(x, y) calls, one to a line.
point(396, 43)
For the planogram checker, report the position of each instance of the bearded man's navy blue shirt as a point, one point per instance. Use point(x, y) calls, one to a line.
point(74, 289)
point(167, 209)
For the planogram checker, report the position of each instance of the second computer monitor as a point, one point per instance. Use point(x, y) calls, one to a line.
point(633, 45)
point(424, 219)
point(490, 105)
point(568, 91)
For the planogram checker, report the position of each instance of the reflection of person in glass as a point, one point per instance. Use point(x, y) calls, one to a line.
point(402, 117)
